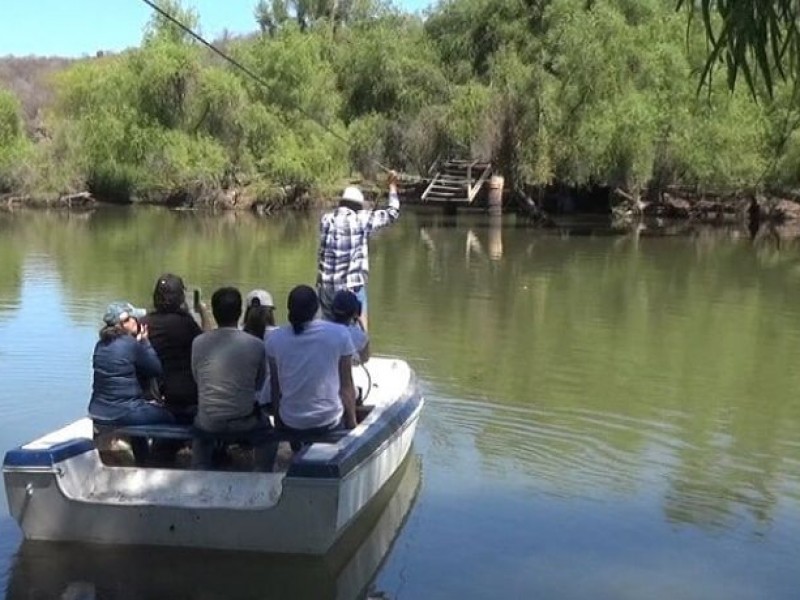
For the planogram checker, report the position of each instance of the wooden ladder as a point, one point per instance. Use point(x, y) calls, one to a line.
point(457, 181)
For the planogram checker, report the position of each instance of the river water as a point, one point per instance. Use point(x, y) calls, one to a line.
point(607, 417)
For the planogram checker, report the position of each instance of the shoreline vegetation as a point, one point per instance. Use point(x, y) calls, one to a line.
point(587, 107)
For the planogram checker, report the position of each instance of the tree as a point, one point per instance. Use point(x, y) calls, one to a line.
point(759, 39)
point(161, 29)
point(270, 16)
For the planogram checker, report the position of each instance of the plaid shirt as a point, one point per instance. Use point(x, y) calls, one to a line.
point(343, 243)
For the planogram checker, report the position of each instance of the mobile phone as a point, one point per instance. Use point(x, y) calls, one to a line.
point(197, 299)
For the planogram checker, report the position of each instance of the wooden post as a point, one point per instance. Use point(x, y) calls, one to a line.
point(496, 195)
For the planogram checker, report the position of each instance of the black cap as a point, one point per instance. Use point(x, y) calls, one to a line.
point(346, 305)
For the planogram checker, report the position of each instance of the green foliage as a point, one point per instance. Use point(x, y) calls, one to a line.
point(367, 136)
point(757, 39)
point(165, 74)
point(569, 91)
point(295, 76)
point(14, 145)
point(467, 113)
point(11, 127)
point(388, 67)
point(161, 30)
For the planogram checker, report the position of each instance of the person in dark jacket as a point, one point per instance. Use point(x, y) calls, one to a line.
point(122, 357)
point(172, 330)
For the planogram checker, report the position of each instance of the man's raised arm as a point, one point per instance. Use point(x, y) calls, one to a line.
point(386, 216)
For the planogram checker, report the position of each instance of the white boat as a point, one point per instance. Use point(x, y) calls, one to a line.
point(58, 488)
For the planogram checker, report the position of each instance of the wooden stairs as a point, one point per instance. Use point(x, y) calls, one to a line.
point(457, 181)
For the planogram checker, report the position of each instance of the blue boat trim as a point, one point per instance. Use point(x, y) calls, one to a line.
point(45, 457)
point(394, 419)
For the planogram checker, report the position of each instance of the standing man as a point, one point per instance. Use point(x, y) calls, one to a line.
point(344, 245)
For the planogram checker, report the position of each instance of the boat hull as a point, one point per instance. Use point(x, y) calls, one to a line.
point(75, 570)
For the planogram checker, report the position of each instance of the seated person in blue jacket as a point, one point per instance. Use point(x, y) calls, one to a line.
point(310, 363)
point(229, 367)
point(346, 310)
point(122, 357)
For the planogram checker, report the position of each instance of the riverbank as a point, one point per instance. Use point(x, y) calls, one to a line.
point(258, 198)
point(544, 206)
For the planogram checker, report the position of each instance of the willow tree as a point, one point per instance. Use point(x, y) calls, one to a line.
point(757, 39)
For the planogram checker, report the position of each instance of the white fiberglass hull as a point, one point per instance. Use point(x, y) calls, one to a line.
point(74, 570)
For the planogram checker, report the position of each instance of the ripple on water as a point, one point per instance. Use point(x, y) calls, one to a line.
point(567, 448)
point(594, 454)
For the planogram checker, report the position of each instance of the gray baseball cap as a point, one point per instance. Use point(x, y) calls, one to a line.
point(117, 312)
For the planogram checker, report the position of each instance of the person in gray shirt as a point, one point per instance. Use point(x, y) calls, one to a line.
point(229, 366)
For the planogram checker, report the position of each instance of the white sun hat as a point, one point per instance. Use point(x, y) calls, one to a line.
point(353, 194)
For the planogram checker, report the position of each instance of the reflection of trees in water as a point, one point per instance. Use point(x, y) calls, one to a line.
point(118, 253)
point(733, 458)
point(610, 362)
point(11, 257)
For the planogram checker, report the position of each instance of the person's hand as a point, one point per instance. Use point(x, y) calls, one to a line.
point(144, 333)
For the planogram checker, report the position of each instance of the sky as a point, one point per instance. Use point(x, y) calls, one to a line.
point(82, 27)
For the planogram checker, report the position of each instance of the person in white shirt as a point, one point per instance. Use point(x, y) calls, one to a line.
point(310, 362)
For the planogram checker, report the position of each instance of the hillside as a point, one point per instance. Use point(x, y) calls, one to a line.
point(29, 78)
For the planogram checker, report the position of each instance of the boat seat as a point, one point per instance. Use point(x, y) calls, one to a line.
point(162, 431)
point(168, 431)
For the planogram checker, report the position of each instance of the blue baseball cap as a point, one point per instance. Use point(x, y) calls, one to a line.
point(346, 304)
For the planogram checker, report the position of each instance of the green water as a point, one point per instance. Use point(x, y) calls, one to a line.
point(607, 416)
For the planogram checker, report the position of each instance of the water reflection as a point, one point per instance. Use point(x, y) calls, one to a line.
point(11, 258)
point(600, 365)
point(83, 572)
point(118, 253)
point(495, 237)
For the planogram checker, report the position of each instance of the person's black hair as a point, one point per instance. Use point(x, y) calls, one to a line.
point(303, 305)
point(268, 312)
point(256, 319)
point(111, 332)
point(226, 306)
point(169, 294)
